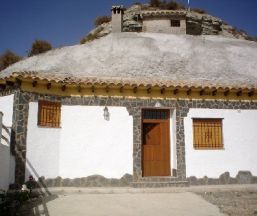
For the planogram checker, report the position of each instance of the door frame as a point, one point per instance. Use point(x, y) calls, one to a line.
point(169, 138)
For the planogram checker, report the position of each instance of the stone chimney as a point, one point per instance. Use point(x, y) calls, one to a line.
point(117, 18)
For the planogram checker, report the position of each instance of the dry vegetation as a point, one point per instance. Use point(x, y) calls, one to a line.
point(199, 10)
point(102, 19)
point(164, 5)
point(8, 58)
point(39, 46)
point(251, 38)
point(91, 36)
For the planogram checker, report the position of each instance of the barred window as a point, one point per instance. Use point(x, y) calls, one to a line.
point(155, 114)
point(175, 23)
point(49, 114)
point(207, 133)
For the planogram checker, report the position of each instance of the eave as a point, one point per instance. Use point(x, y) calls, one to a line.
point(43, 86)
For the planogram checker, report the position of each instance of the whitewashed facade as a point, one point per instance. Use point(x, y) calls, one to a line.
point(7, 163)
point(239, 139)
point(86, 144)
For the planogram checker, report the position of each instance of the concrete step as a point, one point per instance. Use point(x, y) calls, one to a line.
point(159, 184)
point(159, 179)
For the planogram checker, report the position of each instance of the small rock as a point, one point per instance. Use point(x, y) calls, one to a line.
point(224, 178)
point(244, 177)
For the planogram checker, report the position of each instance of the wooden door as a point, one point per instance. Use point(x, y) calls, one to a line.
point(156, 144)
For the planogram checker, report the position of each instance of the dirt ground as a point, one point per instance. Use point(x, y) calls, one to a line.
point(232, 200)
point(234, 203)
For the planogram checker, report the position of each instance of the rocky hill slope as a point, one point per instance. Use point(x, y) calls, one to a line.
point(197, 24)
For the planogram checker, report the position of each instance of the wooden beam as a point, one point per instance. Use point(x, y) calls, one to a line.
point(189, 91)
point(214, 92)
point(239, 93)
point(135, 89)
point(9, 83)
point(202, 92)
point(34, 83)
point(63, 87)
point(79, 88)
point(175, 91)
point(121, 89)
point(93, 89)
point(149, 90)
point(18, 82)
point(251, 93)
point(163, 90)
point(107, 89)
point(226, 93)
point(2, 86)
point(49, 85)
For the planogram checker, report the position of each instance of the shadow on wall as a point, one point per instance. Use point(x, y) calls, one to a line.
point(6, 158)
point(4, 166)
point(39, 196)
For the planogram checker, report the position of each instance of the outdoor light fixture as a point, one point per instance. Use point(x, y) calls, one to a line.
point(106, 114)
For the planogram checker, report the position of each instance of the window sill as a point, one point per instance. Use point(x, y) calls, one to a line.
point(221, 148)
point(49, 127)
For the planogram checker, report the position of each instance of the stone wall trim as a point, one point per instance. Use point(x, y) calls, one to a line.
point(134, 107)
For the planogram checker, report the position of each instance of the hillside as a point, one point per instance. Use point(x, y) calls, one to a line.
point(198, 23)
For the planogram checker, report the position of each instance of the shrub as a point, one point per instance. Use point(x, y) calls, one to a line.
point(8, 58)
point(155, 3)
point(102, 19)
point(199, 10)
point(88, 38)
point(172, 5)
point(251, 38)
point(39, 46)
point(10, 202)
point(164, 5)
point(92, 36)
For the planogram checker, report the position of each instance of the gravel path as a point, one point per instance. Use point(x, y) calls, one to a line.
point(234, 203)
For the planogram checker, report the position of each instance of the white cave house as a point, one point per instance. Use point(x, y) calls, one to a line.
point(159, 106)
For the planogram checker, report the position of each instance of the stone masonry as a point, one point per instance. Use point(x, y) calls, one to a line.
point(134, 107)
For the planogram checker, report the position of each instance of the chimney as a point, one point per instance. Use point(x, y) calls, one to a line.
point(117, 18)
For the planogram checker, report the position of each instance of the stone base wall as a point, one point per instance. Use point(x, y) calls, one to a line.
point(90, 181)
point(243, 177)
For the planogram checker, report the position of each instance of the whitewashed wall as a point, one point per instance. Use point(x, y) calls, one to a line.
point(163, 26)
point(7, 163)
point(6, 107)
point(240, 144)
point(86, 144)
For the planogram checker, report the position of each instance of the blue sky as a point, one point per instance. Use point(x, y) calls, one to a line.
point(65, 22)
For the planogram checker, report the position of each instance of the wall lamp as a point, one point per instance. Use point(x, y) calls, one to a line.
point(106, 114)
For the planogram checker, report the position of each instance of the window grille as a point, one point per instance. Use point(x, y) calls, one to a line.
point(207, 133)
point(175, 23)
point(155, 114)
point(49, 114)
